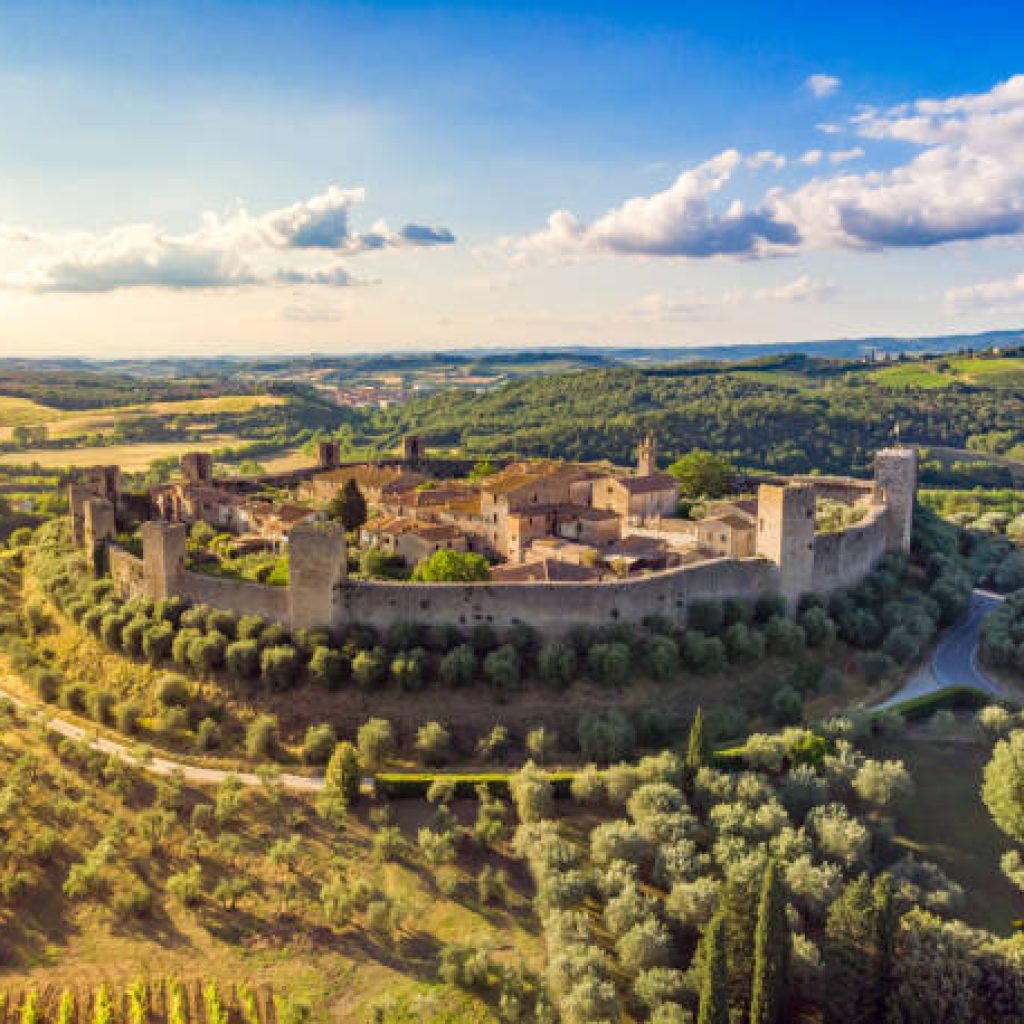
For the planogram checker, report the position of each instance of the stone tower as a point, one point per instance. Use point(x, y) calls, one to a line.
point(647, 456)
point(197, 467)
point(317, 570)
point(99, 527)
point(785, 535)
point(413, 451)
point(328, 454)
point(896, 481)
point(163, 557)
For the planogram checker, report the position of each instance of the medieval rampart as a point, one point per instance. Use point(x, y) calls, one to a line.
point(843, 558)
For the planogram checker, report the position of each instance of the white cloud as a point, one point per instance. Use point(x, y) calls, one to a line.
point(225, 251)
point(965, 182)
point(691, 305)
point(842, 156)
point(811, 157)
point(988, 294)
point(830, 129)
point(822, 86)
point(766, 158)
point(680, 221)
point(802, 289)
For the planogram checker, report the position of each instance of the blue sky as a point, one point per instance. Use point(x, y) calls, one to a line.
point(270, 177)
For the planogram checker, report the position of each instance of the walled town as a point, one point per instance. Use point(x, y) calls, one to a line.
point(613, 537)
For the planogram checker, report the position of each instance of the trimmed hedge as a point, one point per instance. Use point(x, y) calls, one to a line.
point(416, 784)
point(952, 697)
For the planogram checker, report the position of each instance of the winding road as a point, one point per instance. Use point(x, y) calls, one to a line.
point(954, 662)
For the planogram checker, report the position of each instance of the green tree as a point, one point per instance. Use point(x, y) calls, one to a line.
point(348, 506)
point(342, 778)
point(1003, 785)
point(702, 474)
point(714, 983)
point(447, 566)
point(887, 924)
point(697, 746)
point(849, 938)
point(771, 951)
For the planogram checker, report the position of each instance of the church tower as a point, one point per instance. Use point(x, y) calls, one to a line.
point(647, 456)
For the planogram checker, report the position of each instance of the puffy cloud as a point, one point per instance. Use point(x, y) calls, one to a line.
point(822, 86)
point(988, 294)
point(225, 251)
point(802, 289)
point(964, 182)
point(679, 221)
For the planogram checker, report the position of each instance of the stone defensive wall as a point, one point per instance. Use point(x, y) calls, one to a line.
point(844, 558)
point(793, 559)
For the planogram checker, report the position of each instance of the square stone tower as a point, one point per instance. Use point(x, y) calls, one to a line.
point(163, 557)
point(413, 451)
point(328, 454)
point(896, 482)
point(317, 570)
point(99, 527)
point(785, 534)
point(197, 467)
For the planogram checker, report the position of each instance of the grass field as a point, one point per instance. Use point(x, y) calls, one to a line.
point(23, 412)
point(130, 457)
point(946, 372)
point(947, 823)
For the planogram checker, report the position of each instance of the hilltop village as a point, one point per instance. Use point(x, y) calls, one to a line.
point(537, 523)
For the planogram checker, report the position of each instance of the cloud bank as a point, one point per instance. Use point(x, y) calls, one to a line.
point(964, 182)
point(225, 251)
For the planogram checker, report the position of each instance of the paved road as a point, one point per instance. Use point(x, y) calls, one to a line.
point(954, 662)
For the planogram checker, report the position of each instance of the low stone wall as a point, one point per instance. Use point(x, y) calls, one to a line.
point(843, 559)
point(553, 608)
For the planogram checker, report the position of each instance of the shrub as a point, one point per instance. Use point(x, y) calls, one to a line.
point(101, 703)
point(606, 737)
point(609, 663)
point(705, 616)
point(458, 667)
point(644, 946)
point(783, 637)
point(131, 636)
point(207, 735)
point(704, 654)
point(318, 744)
point(261, 737)
point(661, 654)
point(541, 743)
point(556, 665)
point(376, 742)
point(179, 648)
point(126, 717)
point(157, 641)
point(787, 706)
point(206, 653)
point(409, 669)
point(493, 745)
point(243, 659)
point(433, 743)
point(531, 790)
point(173, 691)
point(874, 666)
point(341, 780)
point(501, 668)
point(818, 628)
point(74, 697)
point(327, 667)
point(250, 627)
point(221, 621)
point(46, 682)
point(370, 668)
point(110, 629)
point(280, 667)
point(587, 786)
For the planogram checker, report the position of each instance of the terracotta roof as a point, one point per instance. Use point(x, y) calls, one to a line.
point(396, 526)
point(734, 520)
point(545, 570)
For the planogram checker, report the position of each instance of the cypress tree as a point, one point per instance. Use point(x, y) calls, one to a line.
point(341, 782)
point(740, 897)
point(886, 927)
point(771, 951)
point(714, 986)
point(697, 745)
point(348, 506)
point(849, 940)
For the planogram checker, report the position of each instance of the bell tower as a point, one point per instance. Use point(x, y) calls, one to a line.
point(647, 456)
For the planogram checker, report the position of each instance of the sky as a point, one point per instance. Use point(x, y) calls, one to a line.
point(232, 179)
